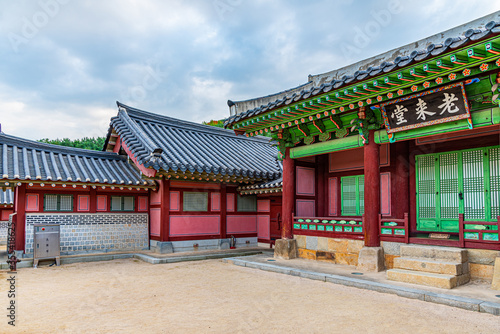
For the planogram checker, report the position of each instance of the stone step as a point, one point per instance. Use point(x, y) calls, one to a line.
point(429, 279)
point(436, 253)
point(431, 266)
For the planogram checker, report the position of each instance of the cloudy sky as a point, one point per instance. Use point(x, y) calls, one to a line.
point(64, 63)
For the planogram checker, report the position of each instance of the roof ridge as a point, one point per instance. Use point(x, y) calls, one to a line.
point(166, 120)
point(22, 142)
point(274, 94)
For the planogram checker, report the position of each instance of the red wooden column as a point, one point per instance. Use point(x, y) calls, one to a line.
point(165, 210)
point(288, 195)
point(372, 191)
point(93, 200)
point(20, 209)
point(223, 211)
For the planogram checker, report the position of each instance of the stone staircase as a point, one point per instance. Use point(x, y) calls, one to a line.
point(441, 267)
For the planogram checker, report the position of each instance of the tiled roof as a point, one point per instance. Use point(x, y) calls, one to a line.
point(6, 197)
point(264, 187)
point(197, 149)
point(327, 82)
point(22, 159)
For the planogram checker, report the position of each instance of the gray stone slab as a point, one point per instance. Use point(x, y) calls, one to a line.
point(489, 307)
point(313, 275)
point(455, 301)
point(312, 243)
point(391, 248)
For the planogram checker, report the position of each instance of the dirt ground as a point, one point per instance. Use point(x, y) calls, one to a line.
point(130, 296)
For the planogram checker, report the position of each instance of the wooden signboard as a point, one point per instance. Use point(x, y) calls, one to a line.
point(434, 106)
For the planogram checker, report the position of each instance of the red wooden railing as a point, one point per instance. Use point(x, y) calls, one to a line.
point(399, 232)
point(479, 240)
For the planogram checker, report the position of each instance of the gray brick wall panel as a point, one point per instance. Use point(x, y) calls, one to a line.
point(98, 232)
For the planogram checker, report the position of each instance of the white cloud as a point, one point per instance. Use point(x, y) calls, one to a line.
point(181, 58)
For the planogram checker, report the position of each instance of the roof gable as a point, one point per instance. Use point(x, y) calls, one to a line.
point(194, 150)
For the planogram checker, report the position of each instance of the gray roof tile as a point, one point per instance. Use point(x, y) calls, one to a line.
point(6, 197)
point(192, 147)
point(22, 159)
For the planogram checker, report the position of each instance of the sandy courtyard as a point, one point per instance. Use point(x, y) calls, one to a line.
point(130, 296)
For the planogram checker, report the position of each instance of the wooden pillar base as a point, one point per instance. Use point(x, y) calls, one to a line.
point(285, 249)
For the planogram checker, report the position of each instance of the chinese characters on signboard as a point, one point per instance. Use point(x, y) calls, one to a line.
point(435, 106)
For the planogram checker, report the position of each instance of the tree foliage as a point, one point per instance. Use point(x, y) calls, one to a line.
point(216, 123)
point(88, 143)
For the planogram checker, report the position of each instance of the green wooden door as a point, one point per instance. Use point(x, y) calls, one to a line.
point(457, 182)
point(494, 182)
point(353, 198)
point(427, 201)
point(448, 191)
point(438, 195)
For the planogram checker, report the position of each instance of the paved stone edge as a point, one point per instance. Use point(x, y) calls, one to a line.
point(27, 263)
point(470, 304)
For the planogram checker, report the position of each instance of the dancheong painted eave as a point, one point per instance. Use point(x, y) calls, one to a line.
point(369, 81)
point(23, 160)
point(192, 151)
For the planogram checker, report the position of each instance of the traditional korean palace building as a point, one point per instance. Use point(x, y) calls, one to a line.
point(162, 183)
point(392, 152)
point(198, 170)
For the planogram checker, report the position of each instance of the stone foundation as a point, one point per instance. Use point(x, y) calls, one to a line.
point(339, 251)
point(285, 249)
point(371, 259)
point(198, 245)
point(345, 251)
point(94, 232)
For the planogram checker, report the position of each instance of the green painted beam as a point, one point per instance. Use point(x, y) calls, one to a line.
point(326, 147)
point(470, 57)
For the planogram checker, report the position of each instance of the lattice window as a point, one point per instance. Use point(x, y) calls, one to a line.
point(448, 184)
point(122, 203)
point(195, 201)
point(58, 202)
point(50, 203)
point(361, 189)
point(353, 188)
point(247, 203)
point(66, 202)
point(128, 203)
point(494, 155)
point(426, 187)
point(473, 181)
point(465, 181)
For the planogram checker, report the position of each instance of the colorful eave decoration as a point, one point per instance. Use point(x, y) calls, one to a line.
point(204, 177)
point(446, 69)
point(255, 190)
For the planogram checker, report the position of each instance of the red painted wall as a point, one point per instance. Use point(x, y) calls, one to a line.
point(155, 221)
point(4, 214)
point(241, 224)
point(194, 225)
point(263, 227)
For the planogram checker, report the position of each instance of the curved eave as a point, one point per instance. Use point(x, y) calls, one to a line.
point(359, 77)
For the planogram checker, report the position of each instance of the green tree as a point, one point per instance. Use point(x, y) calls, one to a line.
point(89, 143)
point(216, 123)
